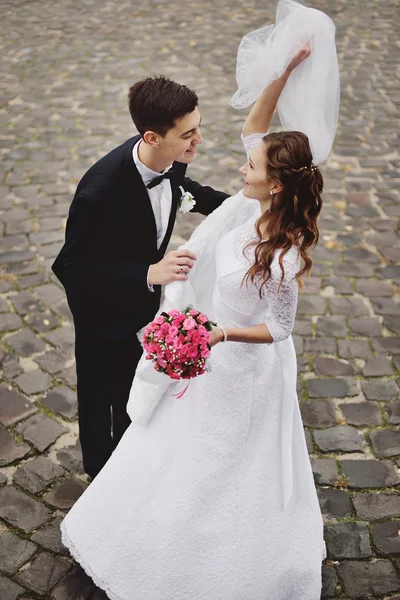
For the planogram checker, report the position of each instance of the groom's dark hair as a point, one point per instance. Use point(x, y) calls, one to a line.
point(156, 103)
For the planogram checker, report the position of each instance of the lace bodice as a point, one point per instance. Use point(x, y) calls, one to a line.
point(238, 303)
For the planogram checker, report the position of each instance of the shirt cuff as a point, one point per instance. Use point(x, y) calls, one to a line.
point(149, 287)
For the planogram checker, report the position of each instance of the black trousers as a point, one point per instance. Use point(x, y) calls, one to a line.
point(105, 370)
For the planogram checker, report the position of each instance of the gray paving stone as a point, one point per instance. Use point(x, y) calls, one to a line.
point(318, 413)
point(61, 338)
point(76, 585)
point(332, 367)
point(62, 400)
point(66, 493)
point(25, 303)
point(385, 345)
point(385, 442)
point(376, 505)
point(361, 578)
point(365, 327)
point(335, 504)
point(49, 293)
point(324, 470)
point(311, 305)
point(339, 439)
point(11, 366)
point(10, 322)
point(41, 431)
point(341, 285)
point(385, 306)
point(42, 322)
point(14, 552)
point(392, 322)
point(52, 361)
point(320, 345)
point(393, 413)
point(71, 456)
point(364, 414)
point(9, 449)
point(377, 366)
point(13, 406)
point(16, 256)
point(331, 388)
point(9, 590)
point(332, 326)
point(370, 473)
point(329, 582)
point(348, 540)
point(380, 389)
point(352, 307)
point(354, 349)
point(44, 572)
point(37, 474)
point(33, 382)
point(49, 537)
point(372, 287)
point(302, 327)
point(20, 510)
point(25, 343)
point(68, 376)
point(386, 537)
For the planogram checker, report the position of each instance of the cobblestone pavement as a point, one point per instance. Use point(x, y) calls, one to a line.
point(65, 72)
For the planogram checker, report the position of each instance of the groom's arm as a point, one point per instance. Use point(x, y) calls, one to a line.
point(207, 199)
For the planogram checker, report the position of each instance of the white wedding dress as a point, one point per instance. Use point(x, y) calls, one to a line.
point(190, 506)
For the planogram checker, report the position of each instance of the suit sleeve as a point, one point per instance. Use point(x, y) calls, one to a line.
point(207, 199)
point(79, 261)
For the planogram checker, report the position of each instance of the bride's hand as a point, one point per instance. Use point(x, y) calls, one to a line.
point(299, 57)
point(216, 336)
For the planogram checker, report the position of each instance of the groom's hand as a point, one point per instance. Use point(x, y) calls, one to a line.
point(175, 266)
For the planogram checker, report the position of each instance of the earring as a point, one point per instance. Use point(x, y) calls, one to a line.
point(271, 193)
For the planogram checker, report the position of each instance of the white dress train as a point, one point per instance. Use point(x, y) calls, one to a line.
point(190, 506)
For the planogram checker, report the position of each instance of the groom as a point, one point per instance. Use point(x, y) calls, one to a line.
point(113, 262)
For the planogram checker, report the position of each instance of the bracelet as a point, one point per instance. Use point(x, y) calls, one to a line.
point(222, 328)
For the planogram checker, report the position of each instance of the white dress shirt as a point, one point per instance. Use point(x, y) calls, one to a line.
point(160, 195)
point(160, 198)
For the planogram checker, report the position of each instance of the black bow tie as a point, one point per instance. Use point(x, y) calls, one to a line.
point(171, 174)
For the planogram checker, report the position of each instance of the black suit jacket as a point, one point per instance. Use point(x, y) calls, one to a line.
point(111, 241)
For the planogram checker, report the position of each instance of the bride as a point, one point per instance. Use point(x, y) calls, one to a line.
point(214, 498)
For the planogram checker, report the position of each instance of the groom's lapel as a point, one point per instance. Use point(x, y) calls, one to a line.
point(138, 204)
point(176, 194)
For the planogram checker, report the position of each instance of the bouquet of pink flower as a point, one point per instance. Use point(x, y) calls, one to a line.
point(179, 343)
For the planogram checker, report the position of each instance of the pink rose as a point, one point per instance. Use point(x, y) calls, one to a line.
point(173, 330)
point(159, 320)
point(202, 330)
point(164, 328)
point(176, 323)
point(174, 376)
point(192, 352)
point(193, 312)
point(181, 317)
point(189, 324)
point(169, 340)
point(174, 312)
point(177, 344)
point(203, 318)
point(196, 337)
point(205, 353)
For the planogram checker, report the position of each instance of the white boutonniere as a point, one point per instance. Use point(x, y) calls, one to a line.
point(186, 201)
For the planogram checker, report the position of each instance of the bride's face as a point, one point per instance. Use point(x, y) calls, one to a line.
point(256, 184)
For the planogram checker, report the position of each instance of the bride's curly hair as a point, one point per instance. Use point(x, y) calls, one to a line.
point(292, 218)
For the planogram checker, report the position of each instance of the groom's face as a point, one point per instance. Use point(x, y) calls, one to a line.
point(180, 142)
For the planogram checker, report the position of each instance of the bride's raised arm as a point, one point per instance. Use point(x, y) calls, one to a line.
point(260, 116)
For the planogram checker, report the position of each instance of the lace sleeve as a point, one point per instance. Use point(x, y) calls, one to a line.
point(251, 141)
point(282, 304)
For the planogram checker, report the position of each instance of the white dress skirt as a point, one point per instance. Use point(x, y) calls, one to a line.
point(190, 506)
